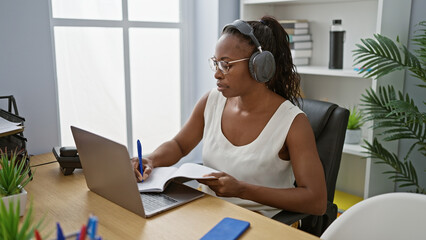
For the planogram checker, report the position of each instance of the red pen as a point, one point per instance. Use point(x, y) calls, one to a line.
point(37, 235)
point(83, 232)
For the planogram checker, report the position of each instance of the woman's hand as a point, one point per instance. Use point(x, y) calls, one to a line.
point(147, 168)
point(224, 185)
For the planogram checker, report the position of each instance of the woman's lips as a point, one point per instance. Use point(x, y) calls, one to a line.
point(220, 87)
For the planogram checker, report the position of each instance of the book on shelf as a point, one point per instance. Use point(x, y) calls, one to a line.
point(302, 61)
point(301, 45)
point(299, 53)
point(294, 23)
point(299, 38)
point(160, 177)
point(345, 200)
point(297, 31)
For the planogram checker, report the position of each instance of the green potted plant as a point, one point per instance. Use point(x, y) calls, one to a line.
point(12, 227)
point(14, 176)
point(395, 114)
point(353, 130)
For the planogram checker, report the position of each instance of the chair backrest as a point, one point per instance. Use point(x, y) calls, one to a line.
point(329, 123)
point(386, 216)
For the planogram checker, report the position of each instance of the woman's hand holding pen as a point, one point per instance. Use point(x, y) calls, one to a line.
point(224, 185)
point(147, 168)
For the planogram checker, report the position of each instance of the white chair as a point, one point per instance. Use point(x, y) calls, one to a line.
point(386, 216)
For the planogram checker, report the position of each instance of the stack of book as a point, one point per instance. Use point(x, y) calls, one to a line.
point(300, 40)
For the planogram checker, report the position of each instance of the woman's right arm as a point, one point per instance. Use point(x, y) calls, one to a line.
point(172, 151)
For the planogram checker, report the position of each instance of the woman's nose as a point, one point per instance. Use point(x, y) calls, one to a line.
point(218, 74)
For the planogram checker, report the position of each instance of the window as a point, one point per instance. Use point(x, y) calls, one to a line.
point(118, 65)
point(153, 72)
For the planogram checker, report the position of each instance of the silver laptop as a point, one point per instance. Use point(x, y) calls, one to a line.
point(108, 171)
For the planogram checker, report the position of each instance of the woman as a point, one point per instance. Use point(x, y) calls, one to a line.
point(251, 130)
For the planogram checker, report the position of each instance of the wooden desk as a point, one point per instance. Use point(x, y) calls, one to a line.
point(66, 199)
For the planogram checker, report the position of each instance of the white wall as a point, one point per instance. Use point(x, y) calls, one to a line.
point(205, 34)
point(27, 69)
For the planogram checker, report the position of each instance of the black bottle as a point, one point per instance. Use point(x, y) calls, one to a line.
point(337, 37)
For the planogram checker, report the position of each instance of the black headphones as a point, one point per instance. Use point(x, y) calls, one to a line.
point(261, 63)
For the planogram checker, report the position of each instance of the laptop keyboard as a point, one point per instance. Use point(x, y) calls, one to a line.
point(154, 201)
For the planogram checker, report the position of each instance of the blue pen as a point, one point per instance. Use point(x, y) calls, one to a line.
point(89, 223)
point(59, 234)
point(140, 157)
point(93, 228)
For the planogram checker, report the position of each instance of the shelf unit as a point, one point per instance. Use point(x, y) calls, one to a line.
point(324, 71)
point(360, 19)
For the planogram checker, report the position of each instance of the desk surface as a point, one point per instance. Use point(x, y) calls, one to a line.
point(66, 199)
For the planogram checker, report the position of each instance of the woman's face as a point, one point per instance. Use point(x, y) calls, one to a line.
point(237, 80)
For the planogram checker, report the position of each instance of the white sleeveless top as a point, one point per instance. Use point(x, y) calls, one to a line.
point(256, 163)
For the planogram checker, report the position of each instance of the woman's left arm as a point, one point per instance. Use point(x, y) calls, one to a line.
point(310, 195)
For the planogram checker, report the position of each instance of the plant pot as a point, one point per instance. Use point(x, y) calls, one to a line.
point(353, 136)
point(22, 197)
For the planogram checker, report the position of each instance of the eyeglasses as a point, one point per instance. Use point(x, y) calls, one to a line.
point(223, 65)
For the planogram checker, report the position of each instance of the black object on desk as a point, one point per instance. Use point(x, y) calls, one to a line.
point(67, 158)
point(14, 141)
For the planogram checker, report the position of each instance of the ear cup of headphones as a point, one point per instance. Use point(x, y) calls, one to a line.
point(262, 66)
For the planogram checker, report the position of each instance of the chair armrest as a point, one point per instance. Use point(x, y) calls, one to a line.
point(289, 217)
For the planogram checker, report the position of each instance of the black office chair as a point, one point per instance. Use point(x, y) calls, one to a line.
point(329, 123)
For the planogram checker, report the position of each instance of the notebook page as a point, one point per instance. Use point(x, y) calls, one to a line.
point(194, 171)
point(156, 180)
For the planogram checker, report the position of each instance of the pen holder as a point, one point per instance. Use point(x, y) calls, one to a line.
point(76, 236)
point(87, 231)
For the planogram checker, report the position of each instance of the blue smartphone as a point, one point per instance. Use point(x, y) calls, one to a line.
point(227, 229)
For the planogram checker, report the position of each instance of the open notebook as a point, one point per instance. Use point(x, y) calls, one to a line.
point(161, 176)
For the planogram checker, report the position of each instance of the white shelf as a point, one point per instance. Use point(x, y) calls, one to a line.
point(354, 149)
point(266, 1)
point(319, 70)
point(343, 87)
point(293, 1)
